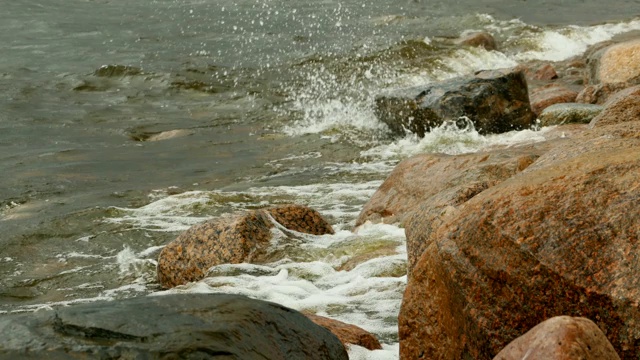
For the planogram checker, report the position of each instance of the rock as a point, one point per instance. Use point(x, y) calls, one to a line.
point(117, 71)
point(559, 238)
point(621, 107)
point(616, 63)
point(171, 134)
point(566, 113)
point(347, 333)
point(478, 39)
point(598, 94)
point(561, 338)
point(495, 101)
point(231, 240)
point(548, 95)
point(545, 72)
point(188, 326)
point(436, 183)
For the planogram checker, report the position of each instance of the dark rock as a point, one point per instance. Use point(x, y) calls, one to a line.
point(347, 333)
point(559, 238)
point(194, 326)
point(495, 101)
point(567, 113)
point(543, 97)
point(231, 240)
point(561, 338)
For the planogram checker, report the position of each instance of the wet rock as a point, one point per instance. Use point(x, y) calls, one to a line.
point(188, 326)
point(437, 183)
point(615, 63)
point(545, 72)
point(171, 134)
point(561, 338)
point(496, 101)
point(117, 71)
point(478, 39)
point(543, 97)
point(567, 113)
point(598, 94)
point(559, 238)
point(621, 107)
point(347, 333)
point(231, 239)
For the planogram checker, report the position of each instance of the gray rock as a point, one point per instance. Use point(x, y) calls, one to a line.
point(495, 101)
point(566, 113)
point(187, 326)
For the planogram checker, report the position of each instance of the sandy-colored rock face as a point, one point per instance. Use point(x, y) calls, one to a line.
point(560, 238)
point(623, 106)
point(620, 63)
point(347, 333)
point(561, 338)
point(231, 240)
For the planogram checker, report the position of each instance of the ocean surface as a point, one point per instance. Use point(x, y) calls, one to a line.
point(122, 123)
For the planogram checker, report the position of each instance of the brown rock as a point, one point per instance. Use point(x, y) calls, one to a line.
point(478, 39)
point(559, 238)
point(625, 109)
point(545, 72)
point(561, 338)
point(548, 95)
point(347, 333)
point(598, 94)
point(616, 63)
point(436, 183)
point(231, 240)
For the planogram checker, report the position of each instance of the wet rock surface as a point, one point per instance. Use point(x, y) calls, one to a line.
point(568, 113)
point(561, 338)
point(559, 238)
point(194, 326)
point(543, 97)
point(231, 239)
point(495, 101)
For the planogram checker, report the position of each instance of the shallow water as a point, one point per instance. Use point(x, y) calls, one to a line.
point(123, 123)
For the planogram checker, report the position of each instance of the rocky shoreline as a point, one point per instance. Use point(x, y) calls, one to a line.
point(521, 250)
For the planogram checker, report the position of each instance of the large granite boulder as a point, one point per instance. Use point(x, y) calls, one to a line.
point(188, 326)
point(232, 239)
point(621, 107)
point(561, 338)
point(435, 183)
point(495, 101)
point(559, 238)
point(615, 63)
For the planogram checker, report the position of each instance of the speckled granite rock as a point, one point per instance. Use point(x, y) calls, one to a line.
point(545, 96)
point(559, 238)
point(347, 333)
point(231, 239)
point(567, 113)
point(621, 107)
point(600, 93)
point(186, 326)
point(616, 63)
point(561, 338)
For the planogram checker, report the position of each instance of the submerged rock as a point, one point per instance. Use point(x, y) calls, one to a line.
point(561, 338)
point(559, 238)
point(478, 39)
point(231, 240)
point(188, 326)
point(117, 71)
point(567, 113)
point(496, 101)
point(347, 333)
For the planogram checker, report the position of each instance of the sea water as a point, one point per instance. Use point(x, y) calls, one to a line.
point(123, 123)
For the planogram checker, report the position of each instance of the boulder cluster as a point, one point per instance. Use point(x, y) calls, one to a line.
point(521, 252)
